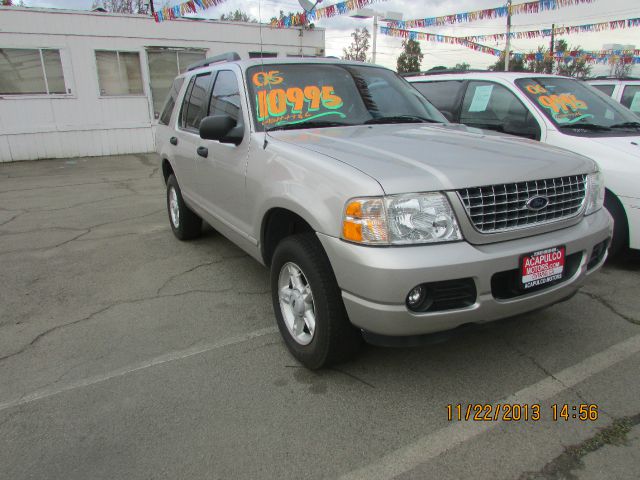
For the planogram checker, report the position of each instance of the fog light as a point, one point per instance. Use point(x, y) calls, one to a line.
point(416, 297)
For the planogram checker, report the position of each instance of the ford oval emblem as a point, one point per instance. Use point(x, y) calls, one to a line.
point(537, 203)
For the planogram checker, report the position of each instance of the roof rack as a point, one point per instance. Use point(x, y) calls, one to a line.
point(609, 77)
point(225, 57)
point(441, 72)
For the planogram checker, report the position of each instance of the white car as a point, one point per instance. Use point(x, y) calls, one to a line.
point(559, 111)
point(626, 92)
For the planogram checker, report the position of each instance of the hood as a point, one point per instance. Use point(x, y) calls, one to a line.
point(418, 157)
point(627, 145)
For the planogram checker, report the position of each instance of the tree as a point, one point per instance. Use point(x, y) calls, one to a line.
point(238, 16)
point(516, 64)
point(307, 25)
point(436, 68)
point(359, 47)
point(411, 57)
point(122, 6)
point(621, 65)
point(462, 67)
point(543, 63)
point(570, 66)
point(574, 67)
point(13, 3)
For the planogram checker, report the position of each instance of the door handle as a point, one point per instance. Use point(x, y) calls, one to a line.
point(203, 152)
point(173, 141)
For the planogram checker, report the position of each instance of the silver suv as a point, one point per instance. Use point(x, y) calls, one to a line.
point(376, 217)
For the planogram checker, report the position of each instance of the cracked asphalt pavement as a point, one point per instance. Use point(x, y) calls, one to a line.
point(127, 354)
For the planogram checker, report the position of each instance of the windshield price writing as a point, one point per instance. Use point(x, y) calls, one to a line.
point(565, 107)
point(293, 104)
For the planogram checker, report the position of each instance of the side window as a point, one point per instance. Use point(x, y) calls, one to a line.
point(606, 89)
point(225, 97)
point(631, 98)
point(170, 103)
point(443, 94)
point(194, 105)
point(492, 106)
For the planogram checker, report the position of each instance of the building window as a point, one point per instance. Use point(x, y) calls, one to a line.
point(263, 54)
point(119, 73)
point(31, 71)
point(164, 65)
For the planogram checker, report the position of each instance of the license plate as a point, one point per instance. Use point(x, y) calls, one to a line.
point(542, 267)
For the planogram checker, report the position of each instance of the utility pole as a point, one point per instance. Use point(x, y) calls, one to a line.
point(507, 48)
point(375, 37)
point(553, 42)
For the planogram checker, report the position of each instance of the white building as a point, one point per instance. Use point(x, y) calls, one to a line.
point(618, 46)
point(76, 83)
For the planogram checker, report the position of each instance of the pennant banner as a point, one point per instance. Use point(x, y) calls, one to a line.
point(488, 13)
point(184, 8)
point(301, 19)
point(430, 37)
point(589, 27)
point(602, 56)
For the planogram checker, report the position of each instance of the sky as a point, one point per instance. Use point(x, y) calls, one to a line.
point(338, 28)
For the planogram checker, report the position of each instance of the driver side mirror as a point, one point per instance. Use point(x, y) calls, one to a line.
point(222, 128)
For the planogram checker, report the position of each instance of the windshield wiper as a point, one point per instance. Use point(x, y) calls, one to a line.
point(294, 126)
point(626, 125)
point(401, 119)
point(586, 126)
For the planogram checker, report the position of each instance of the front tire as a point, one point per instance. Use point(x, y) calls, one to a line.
point(308, 304)
point(185, 224)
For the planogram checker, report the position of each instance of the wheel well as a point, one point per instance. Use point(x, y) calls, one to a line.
point(611, 197)
point(278, 224)
point(167, 170)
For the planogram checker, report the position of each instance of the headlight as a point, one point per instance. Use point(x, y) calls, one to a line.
point(400, 220)
point(595, 193)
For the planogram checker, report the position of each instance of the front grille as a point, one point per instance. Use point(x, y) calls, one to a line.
point(499, 208)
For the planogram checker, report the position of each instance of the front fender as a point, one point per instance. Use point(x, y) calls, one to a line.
point(311, 185)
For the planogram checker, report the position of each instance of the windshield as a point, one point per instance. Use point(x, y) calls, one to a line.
point(315, 95)
point(572, 104)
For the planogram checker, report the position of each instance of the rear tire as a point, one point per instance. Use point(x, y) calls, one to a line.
point(304, 289)
point(620, 238)
point(185, 224)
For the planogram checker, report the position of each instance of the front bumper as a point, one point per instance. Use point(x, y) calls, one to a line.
point(376, 280)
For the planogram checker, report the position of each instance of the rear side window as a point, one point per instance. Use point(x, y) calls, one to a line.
point(444, 94)
point(195, 102)
point(492, 106)
point(631, 98)
point(225, 98)
point(170, 102)
point(606, 89)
